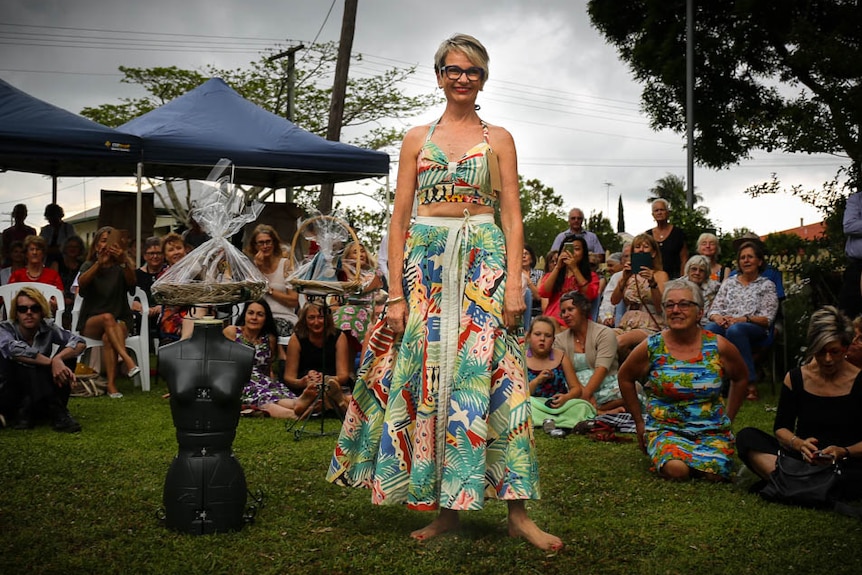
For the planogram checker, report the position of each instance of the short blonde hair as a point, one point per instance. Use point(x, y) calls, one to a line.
point(466, 44)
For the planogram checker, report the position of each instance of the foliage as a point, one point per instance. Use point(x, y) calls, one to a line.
point(672, 189)
point(369, 101)
point(87, 503)
point(770, 75)
point(621, 218)
point(544, 217)
point(601, 226)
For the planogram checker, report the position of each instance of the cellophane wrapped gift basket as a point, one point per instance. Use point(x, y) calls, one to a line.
point(215, 272)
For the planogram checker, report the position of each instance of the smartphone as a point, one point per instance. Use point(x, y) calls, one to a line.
point(569, 247)
point(820, 456)
point(641, 260)
point(118, 238)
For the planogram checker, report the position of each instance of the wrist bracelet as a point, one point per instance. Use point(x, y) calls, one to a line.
point(395, 299)
point(847, 453)
point(792, 439)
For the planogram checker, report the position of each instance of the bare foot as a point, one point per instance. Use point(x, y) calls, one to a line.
point(309, 394)
point(336, 395)
point(446, 521)
point(607, 411)
point(522, 526)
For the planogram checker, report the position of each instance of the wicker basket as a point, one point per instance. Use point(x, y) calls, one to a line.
point(200, 293)
point(319, 286)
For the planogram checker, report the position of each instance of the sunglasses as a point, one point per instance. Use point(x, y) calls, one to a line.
point(35, 308)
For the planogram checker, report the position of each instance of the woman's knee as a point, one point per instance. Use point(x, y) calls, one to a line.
point(675, 470)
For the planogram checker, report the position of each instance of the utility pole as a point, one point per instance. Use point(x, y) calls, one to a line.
point(608, 187)
point(290, 108)
point(689, 100)
point(339, 90)
point(290, 53)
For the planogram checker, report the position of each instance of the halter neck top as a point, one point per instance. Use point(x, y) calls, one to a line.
point(466, 180)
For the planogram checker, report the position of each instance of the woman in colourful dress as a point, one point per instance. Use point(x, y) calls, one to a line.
point(686, 426)
point(440, 415)
point(256, 328)
point(555, 390)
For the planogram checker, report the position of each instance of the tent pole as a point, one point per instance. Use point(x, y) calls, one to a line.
point(138, 203)
point(53, 189)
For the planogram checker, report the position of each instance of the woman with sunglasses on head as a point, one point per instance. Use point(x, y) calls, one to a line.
point(454, 317)
point(686, 427)
point(817, 419)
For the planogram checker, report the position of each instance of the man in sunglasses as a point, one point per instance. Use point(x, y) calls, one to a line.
point(34, 382)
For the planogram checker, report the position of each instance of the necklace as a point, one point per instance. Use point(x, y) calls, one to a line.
point(34, 277)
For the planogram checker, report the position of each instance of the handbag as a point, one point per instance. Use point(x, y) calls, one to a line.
point(797, 482)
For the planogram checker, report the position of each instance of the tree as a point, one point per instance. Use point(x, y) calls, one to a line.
point(769, 75)
point(370, 101)
point(621, 218)
point(543, 214)
point(601, 226)
point(672, 189)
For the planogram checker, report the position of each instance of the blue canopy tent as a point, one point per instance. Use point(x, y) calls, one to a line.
point(187, 136)
point(40, 138)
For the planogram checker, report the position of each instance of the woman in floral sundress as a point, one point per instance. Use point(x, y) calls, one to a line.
point(686, 426)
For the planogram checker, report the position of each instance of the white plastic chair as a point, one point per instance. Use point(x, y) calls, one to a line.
point(8, 291)
point(137, 343)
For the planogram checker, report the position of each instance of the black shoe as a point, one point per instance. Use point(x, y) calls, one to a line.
point(23, 422)
point(66, 424)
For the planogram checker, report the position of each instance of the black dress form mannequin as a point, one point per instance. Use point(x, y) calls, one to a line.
point(205, 489)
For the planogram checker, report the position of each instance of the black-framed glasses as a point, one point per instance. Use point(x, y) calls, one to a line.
point(683, 305)
point(152, 254)
point(264, 242)
point(35, 308)
point(474, 73)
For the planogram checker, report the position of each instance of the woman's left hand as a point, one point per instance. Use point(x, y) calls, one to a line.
point(647, 274)
point(513, 306)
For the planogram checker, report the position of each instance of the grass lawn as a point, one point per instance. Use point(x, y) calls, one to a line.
point(87, 503)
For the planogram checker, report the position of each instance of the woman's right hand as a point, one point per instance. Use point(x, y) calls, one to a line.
point(396, 316)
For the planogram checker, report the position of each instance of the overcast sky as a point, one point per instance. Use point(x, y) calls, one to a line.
point(570, 104)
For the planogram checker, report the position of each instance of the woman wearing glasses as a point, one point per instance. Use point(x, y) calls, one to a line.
point(685, 428)
point(452, 317)
point(265, 250)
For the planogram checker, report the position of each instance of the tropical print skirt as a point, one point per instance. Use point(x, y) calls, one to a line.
point(440, 417)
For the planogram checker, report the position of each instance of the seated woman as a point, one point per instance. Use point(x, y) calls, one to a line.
point(68, 266)
point(640, 287)
point(106, 279)
point(554, 387)
point(592, 347)
point(256, 328)
point(172, 320)
point(354, 317)
point(818, 411)
point(686, 427)
point(318, 354)
point(745, 308)
point(36, 270)
point(697, 271)
point(572, 272)
point(709, 247)
point(265, 250)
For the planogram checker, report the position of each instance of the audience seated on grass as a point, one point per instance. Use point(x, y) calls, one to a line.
point(818, 418)
point(318, 355)
point(34, 380)
point(256, 328)
point(592, 348)
point(555, 391)
point(685, 428)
